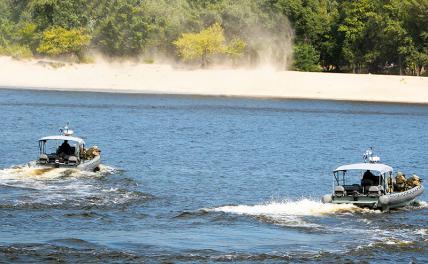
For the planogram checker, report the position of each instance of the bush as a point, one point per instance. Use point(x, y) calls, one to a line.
point(58, 41)
point(306, 58)
point(27, 35)
point(86, 59)
point(16, 51)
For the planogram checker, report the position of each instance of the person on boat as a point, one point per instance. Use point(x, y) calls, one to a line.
point(92, 152)
point(369, 179)
point(64, 149)
point(400, 182)
point(413, 181)
point(390, 184)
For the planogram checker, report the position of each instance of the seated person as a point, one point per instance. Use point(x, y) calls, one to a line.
point(65, 149)
point(413, 181)
point(400, 182)
point(369, 179)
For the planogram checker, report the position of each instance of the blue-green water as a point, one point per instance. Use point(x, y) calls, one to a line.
point(193, 179)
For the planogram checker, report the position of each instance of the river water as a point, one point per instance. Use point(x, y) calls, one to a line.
point(194, 179)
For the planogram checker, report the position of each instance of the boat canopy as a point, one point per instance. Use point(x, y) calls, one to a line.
point(69, 138)
point(382, 168)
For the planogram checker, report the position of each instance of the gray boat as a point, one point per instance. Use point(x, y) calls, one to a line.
point(371, 185)
point(66, 151)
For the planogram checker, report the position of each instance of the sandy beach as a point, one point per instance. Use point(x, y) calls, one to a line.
point(263, 82)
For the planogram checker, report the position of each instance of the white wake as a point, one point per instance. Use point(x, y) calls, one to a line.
point(303, 207)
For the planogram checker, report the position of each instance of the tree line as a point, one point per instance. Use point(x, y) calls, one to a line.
point(360, 36)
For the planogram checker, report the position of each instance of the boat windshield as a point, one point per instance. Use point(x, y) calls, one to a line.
point(55, 147)
point(358, 177)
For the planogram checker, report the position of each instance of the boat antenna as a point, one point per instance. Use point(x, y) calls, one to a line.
point(369, 157)
point(66, 131)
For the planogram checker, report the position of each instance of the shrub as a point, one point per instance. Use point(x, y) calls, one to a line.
point(306, 58)
point(58, 41)
point(16, 51)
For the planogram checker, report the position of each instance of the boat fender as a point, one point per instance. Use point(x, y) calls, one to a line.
point(383, 200)
point(327, 198)
point(401, 196)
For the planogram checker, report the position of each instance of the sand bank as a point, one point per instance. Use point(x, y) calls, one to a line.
point(164, 79)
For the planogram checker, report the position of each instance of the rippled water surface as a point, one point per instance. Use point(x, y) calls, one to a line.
point(189, 179)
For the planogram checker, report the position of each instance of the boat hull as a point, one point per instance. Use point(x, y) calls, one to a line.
point(87, 165)
point(383, 202)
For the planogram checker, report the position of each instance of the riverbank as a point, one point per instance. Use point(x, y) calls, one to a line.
point(257, 83)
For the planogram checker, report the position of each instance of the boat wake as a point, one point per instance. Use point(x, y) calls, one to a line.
point(33, 188)
point(41, 179)
point(303, 207)
point(289, 213)
point(23, 172)
point(314, 216)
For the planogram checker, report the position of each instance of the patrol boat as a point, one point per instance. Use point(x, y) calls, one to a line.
point(70, 154)
point(376, 189)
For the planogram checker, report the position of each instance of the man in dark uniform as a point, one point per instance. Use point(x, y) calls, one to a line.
point(369, 179)
point(64, 149)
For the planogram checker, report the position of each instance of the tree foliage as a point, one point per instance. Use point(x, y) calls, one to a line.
point(123, 31)
point(206, 43)
point(209, 41)
point(60, 41)
point(377, 36)
point(306, 58)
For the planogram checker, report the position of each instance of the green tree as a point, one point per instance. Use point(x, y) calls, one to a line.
point(315, 22)
point(361, 29)
point(67, 14)
point(416, 24)
point(167, 20)
point(58, 41)
point(28, 36)
point(123, 30)
point(7, 26)
point(306, 58)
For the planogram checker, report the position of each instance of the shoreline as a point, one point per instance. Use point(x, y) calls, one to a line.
point(262, 83)
point(152, 93)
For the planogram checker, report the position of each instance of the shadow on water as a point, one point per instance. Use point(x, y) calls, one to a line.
point(280, 109)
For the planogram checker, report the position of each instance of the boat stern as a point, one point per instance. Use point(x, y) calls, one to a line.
point(360, 201)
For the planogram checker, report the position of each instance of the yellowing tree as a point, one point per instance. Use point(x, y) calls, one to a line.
point(60, 41)
point(201, 45)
